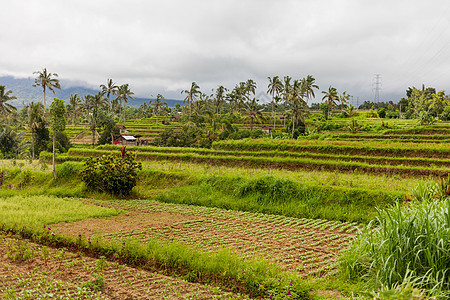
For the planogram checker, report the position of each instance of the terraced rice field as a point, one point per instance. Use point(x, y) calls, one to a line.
point(411, 159)
point(32, 271)
point(308, 247)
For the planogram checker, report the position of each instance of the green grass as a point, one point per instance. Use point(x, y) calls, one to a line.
point(271, 195)
point(291, 163)
point(36, 211)
point(409, 245)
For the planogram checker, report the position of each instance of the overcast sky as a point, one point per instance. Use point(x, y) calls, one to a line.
point(162, 46)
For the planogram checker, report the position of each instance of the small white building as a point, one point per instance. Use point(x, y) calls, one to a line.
point(127, 140)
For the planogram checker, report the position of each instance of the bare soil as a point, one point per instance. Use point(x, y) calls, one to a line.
point(308, 250)
point(32, 271)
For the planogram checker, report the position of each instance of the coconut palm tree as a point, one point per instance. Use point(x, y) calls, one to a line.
point(250, 87)
point(45, 80)
point(108, 89)
point(286, 94)
point(343, 98)
point(191, 95)
point(5, 96)
point(35, 115)
point(274, 89)
point(298, 104)
point(241, 94)
point(92, 106)
point(310, 85)
point(253, 112)
point(73, 108)
point(158, 105)
point(330, 97)
point(220, 97)
point(123, 94)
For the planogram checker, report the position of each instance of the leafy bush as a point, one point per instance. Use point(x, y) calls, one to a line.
point(381, 112)
point(111, 173)
point(445, 116)
point(58, 147)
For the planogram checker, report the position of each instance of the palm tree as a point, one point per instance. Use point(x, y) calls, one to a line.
point(35, 114)
point(5, 96)
point(73, 108)
point(109, 88)
point(253, 112)
point(274, 89)
point(250, 87)
point(220, 97)
point(123, 94)
point(158, 105)
point(192, 93)
point(46, 81)
point(92, 106)
point(344, 99)
point(330, 97)
point(310, 85)
point(286, 94)
point(241, 95)
point(298, 93)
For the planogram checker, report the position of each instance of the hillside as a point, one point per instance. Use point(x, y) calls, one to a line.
point(23, 89)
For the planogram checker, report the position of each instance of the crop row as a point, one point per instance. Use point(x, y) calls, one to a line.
point(395, 136)
point(337, 147)
point(393, 139)
point(274, 162)
point(301, 245)
point(410, 161)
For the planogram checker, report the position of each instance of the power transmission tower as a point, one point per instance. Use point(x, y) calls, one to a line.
point(377, 87)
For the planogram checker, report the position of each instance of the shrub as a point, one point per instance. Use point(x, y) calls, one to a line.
point(58, 147)
point(381, 112)
point(111, 173)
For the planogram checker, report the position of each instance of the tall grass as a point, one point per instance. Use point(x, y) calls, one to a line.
point(409, 244)
point(281, 196)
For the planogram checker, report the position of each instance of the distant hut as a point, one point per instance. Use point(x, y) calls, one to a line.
point(266, 129)
point(127, 140)
point(175, 117)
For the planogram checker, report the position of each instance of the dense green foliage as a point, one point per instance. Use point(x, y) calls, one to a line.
point(111, 173)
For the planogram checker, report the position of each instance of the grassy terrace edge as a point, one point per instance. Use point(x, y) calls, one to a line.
point(271, 162)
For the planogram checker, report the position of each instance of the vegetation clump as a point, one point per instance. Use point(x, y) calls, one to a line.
point(111, 173)
point(408, 246)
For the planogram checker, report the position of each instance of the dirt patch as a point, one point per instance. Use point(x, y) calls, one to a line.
point(309, 247)
point(28, 269)
point(128, 221)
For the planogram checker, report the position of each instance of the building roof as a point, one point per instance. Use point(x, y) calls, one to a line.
point(128, 137)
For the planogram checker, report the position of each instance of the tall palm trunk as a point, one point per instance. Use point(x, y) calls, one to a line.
point(293, 126)
point(53, 159)
point(273, 116)
point(93, 138)
point(32, 144)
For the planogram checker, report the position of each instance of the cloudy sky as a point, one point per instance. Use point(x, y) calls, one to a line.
point(162, 46)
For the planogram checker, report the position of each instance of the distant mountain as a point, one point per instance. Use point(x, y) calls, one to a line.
point(23, 89)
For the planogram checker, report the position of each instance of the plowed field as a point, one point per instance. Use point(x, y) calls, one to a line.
point(310, 247)
point(31, 271)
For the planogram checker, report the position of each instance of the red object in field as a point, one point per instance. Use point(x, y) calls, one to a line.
point(116, 142)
